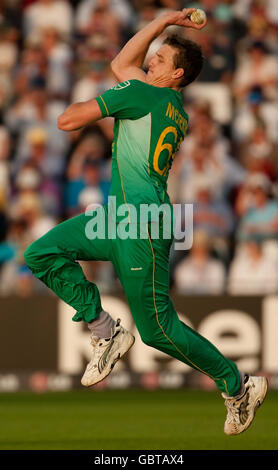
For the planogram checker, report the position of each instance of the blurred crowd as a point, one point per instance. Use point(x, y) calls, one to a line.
point(55, 52)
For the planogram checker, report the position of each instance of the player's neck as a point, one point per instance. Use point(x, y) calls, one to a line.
point(163, 84)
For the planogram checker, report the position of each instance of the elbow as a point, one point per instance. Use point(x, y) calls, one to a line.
point(63, 123)
point(117, 70)
point(114, 66)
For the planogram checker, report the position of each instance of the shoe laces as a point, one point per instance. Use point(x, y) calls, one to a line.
point(237, 407)
point(233, 411)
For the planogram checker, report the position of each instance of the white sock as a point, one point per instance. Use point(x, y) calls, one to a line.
point(244, 379)
point(102, 326)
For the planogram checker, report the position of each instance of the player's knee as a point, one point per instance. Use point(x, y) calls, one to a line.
point(146, 339)
point(31, 255)
point(149, 339)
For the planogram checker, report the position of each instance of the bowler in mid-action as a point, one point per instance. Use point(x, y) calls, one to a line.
point(150, 124)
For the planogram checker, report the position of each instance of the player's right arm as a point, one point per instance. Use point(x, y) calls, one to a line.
point(125, 101)
point(127, 65)
point(78, 115)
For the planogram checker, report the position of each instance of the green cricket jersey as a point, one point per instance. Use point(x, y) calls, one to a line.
point(150, 124)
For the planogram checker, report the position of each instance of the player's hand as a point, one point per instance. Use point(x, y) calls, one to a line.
point(182, 18)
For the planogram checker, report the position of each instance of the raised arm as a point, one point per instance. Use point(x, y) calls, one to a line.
point(128, 63)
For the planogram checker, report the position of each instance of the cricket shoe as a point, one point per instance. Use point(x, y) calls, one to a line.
point(241, 409)
point(106, 352)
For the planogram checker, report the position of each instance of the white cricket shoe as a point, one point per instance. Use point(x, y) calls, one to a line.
point(242, 409)
point(106, 352)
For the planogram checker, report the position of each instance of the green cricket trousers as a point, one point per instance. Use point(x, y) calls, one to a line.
point(143, 269)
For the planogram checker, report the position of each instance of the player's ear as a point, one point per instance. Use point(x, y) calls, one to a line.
point(178, 73)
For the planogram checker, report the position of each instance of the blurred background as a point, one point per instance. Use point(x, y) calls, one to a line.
point(55, 52)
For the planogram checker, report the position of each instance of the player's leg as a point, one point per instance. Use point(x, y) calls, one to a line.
point(145, 279)
point(142, 266)
point(53, 259)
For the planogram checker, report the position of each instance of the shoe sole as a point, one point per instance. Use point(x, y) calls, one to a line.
point(108, 369)
point(259, 403)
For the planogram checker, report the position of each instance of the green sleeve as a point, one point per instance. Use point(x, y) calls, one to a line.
point(127, 100)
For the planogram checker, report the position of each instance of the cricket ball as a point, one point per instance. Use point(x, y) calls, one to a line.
point(198, 16)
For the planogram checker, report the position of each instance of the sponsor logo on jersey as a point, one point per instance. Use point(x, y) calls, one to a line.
point(121, 85)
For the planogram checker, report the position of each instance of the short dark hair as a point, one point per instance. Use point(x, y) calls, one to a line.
point(189, 57)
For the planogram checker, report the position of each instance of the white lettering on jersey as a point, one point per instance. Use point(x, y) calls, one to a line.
point(122, 85)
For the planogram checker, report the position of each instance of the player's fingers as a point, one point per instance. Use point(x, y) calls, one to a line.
point(188, 11)
point(200, 26)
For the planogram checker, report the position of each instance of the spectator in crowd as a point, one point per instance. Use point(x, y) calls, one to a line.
point(209, 157)
point(119, 9)
point(32, 121)
point(54, 52)
point(199, 273)
point(59, 56)
point(30, 179)
point(15, 277)
point(95, 77)
point(212, 215)
point(31, 68)
point(252, 272)
point(257, 69)
point(104, 21)
point(200, 162)
point(88, 182)
point(28, 222)
point(5, 146)
point(3, 220)
point(40, 165)
point(204, 151)
point(255, 112)
point(258, 154)
point(28, 208)
point(95, 190)
point(259, 213)
point(8, 59)
point(48, 13)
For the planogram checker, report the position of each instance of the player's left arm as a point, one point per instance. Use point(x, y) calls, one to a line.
point(78, 115)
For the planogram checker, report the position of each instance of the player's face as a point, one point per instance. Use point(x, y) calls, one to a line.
point(161, 66)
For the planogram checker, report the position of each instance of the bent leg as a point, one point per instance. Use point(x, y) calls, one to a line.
point(53, 260)
point(145, 279)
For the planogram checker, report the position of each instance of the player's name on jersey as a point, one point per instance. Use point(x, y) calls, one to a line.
point(176, 116)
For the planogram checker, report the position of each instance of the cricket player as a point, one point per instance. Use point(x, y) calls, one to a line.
point(150, 124)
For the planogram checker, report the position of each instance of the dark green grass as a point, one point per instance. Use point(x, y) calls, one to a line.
point(130, 419)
